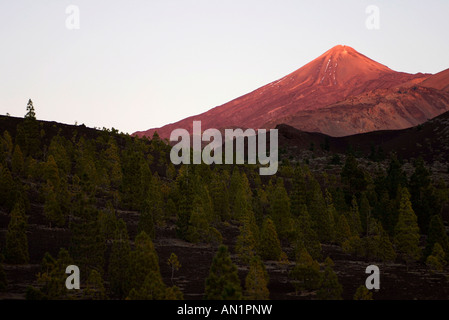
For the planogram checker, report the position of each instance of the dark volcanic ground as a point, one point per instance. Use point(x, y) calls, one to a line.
point(395, 281)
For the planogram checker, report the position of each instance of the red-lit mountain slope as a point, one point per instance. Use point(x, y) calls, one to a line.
point(341, 92)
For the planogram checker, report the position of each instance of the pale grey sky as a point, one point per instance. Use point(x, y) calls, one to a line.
point(139, 64)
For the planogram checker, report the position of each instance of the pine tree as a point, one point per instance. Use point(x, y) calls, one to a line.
point(306, 273)
point(51, 172)
point(113, 163)
point(174, 264)
point(306, 237)
point(396, 178)
point(256, 281)
point(145, 276)
point(365, 211)
point(7, 144)
point(16, 249)
point(330, 287)
point(28, 135)
point(353, 177)
point(363, 293)
point(31, 114)
point(94, 287)
point(199, 229)
point(280, 210)
point(436, 234)
point(436, 261)
point(354, 218)
point(343, 232)
point(87, 245)
point(17, 161)
point(220, 197)
point(185, 188)
point(7, 188)
point(423, 197)
point(223, 282)
point(407, 230)
point(297, 196)
point(385, 250)
point(59, 152)
point(153, 288)
point(173, 293)
point(52, 276)
point(52, 210)
point(119, 260)
point(318, 210)
point(270, 246)
point(246, 245)
point(146, 222)
point(108, 222)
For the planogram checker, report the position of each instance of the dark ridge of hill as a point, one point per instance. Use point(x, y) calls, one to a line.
point(429, 140)
point(51, 128)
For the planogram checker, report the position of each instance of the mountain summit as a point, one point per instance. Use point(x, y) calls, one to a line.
point(341, 92)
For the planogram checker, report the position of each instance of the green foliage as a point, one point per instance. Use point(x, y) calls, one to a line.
point(320, 212)
point(223, 282)
point(17, 161)
point(437, 260)
point(87, 245)
point(437, 234)
point(173, 293)
point(108, 222)
point(7, 188)
point(385, 251)
point(280, 210)
point(113, 163)
point(199, 229)
point(174, 264)
point(256, 281)
point(354, 218)
point(119, 262)
point(353, 177)
point(51, 172)
point(31, 114)
point(58, 151)
point(363, 293)
point(306, 236)
point(246, 245)
point(52, 209)
point(424, 197)
point(270, 246)
point(306, 273)
point(52, 277)
point(220, 197)
point(343, 231)
point(330, 287)
point(396, 178)
point(407, 230)
point(28, 133)
point(146, 222)
point(144, 275)
point(16, 249)
point(94, 287)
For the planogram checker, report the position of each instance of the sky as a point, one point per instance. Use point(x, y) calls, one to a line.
point(139, 64)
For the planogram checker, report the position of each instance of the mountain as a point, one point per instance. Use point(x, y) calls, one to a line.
point(429, 141)
point(438, 81)
point(341, 92)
